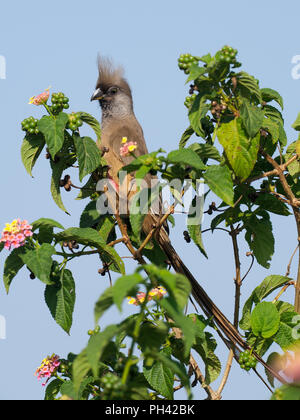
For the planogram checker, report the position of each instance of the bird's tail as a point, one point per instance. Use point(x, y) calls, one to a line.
point(206, 304)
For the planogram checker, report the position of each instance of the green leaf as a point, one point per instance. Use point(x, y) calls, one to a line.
point(248, 87)
point(81, 368)
point(240, 150)
point(197, 112)
point(186, 157)
point(43, 222)
point(219, 180)
point(265, 320)
point(260, 238)
point(12, 266)
point(152, 336)
point(161, 378)
point(268, 286)
point(206, 151)
point(97, 344)
point(31, 149)
point(269, 95)
point(296, 125)
point(194, 223)
point(57, 170)
point(272, 204)
point(103, 304)
point(60, 299)
point(90, 216)
point(287, 393)
point(92, 238)
point(53, 388)
point(39, 261)
point(87, 190)
point(67, 389)
point(185, 137)
point(53, 130)
point(92, 122)
point(88, 155)
point(124, 286)
point(252, 118)
point(272, 128)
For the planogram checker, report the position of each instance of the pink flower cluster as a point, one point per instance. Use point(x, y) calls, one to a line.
point(48, 368)
point(158, 292)
point(128, 147)
point(40, 99)
point(14, 234)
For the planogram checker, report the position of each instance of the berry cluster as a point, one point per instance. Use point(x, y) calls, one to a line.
point(185, 61)
point(189, 100)
point(217, 109)
point(59, 102)
point(112, 386)
point(74, 121)
point(30, 125)
point(247, 361)
point(228, 55)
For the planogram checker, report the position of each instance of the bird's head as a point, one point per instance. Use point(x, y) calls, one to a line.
point(112, 90)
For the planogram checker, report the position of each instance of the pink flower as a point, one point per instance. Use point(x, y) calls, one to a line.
point(128, 148)
point(14, 234)
point(158, 292)
point(48, 368)
point(40, 99)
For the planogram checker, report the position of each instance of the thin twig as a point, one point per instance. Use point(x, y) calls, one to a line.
point(288, 270)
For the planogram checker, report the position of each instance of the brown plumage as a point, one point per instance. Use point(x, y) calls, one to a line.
point(118, 120)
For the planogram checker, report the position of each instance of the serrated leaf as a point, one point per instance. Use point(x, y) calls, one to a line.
point(272, 128)
point(60, 299)
point(241, 151)
point(57, 170)
point(53, 131)
point(248, 86)
point(185, 137)
point(260, 238)
point(206, 151)
point(12, 266)
point(31, 149)
point(198, 111)
point(268, 286)
point(265, 320)
point(272, 204)
point(44, 222)
point(97, 344)
point(80, 369)
point(194, 223)
point(39, 261)
point(269, 95)
point(161, 378)
point(252, 118)
point(88, 155)
point(219, 180)
point(92, 122)
point(103, 304)
point(53, 388)
point(186, 157)
point(87, 190)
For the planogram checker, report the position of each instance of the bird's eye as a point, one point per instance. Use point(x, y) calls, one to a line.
point(113, 90)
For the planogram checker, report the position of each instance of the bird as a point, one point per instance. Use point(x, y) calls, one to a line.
point(119, 121)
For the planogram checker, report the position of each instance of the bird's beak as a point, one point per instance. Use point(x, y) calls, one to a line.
point(98, 94)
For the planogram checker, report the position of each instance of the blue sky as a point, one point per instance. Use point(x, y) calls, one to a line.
point(56, 43)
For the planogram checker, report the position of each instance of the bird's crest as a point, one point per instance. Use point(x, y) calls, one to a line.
point(111, 75)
